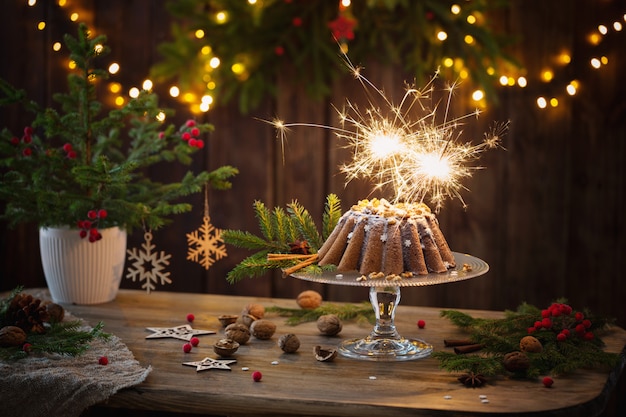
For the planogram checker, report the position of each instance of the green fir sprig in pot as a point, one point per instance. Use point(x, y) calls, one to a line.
point(85, 168)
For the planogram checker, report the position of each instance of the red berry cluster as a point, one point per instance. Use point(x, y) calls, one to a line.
point(559, 319)
point(69, 151)
point(88, 228)
point(190, 135)
point(27, 138)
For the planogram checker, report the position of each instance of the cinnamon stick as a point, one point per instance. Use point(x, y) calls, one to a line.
point(457, 342)
point(459, 350)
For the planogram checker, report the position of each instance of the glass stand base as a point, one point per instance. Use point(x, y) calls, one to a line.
point(384, 349)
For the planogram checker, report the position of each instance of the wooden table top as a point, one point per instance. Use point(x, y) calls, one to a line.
point(300, 385)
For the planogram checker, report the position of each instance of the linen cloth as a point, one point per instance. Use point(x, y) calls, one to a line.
point(57, 385)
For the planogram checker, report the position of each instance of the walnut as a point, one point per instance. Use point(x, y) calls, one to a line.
point(225, 347)
point(324, 355)
point(516, 362)
point(329, 324)
point(12, 336)
point(530, 344)
point(56, 313)
point(263, 329)
point(309, 299)
point(289, 343)
point(238, 332)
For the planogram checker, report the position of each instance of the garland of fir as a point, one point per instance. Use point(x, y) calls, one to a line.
point(290, 239)
point(256, 44)
point(570, 340)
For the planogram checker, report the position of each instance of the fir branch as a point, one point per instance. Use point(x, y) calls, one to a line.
point(331, 216)
point(305, 224)
point(296, 316)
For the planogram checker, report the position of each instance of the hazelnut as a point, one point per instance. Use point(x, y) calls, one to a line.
point(324, 355)
point(289, 343)
point(256, 310)
point(246, 319)
point(309, 299)
point(516, 362)
point(262, 329)
point(530, 344)
point(227, 319)
point(329, 324)
point(12, 336)
point(225, 347)
point(238, 332)
point(55, 312)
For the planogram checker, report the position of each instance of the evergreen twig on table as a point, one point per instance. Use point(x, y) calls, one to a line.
point(358, 312)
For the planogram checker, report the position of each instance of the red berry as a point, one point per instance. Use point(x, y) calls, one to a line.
point(187, 347)
point(190, 317)
point(67, 147)
point(279, 50)
point(195, 131)
point(199, 143)
point(15, 140)
point(567, 310)
point(93, 232)
point(83, 234)
point(297, 21)
point(92, 214)
point(547, 323)
point(579, 316)
point(28, 130)
point(186, 136)
point(71, 155)
point(547, 381)
point(538, 325)
point(27, 139)
point(194, 341)
point(531, 330)
point(421, 324)
point(26, 347)
point(561, 337)
point(587, 323)
point(161, 135)
point(588, 336)
point(27, 152)
point(256, 376)
point(580, 329)
point(545, 313)
point(102, 214)
point(190, 123)
point(103, 360)
point(193, 142)
point(565, 332)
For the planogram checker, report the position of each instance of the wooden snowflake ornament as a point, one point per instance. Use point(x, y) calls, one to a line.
point(148, 266)
point(205, 243)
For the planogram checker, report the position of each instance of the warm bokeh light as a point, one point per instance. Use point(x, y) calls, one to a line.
point(174, 91)
point(471, 19)
point(133, 92)
point(554, 102)
point(214, 62)
point(547, 75)
point(442, 36)
point(455, 9)
point(161, 116)
point(74, 17)
point(522, 82)
point(41, 25)
point(56, 47)
point(147, 85)
point(478, 95)
point(542, 103)
point(199, 34)
point(115, 87)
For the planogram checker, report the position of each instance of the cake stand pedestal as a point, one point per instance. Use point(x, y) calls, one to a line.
point(384, 343)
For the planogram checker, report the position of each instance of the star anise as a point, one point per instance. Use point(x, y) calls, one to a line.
point(299, 247)
point(472, 379)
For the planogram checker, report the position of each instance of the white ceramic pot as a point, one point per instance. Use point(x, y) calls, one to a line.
point(81, 272)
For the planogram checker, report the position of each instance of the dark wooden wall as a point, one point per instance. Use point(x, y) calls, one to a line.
point(547, 214)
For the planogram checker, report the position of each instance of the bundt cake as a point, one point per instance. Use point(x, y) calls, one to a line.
point(375, 236)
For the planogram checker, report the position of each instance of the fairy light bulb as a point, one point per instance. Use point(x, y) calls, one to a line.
point(71, 65)
point(221, 17)
point(74, 17)
point(160, 117)
point(471, 19)
point(199, 34)
point(214, 62)
point(571, 89)
point(564, 58)
point(547, 75)
point(478, 95)
point(522, 82)
point(115, 87)
point(206, 50)
point(133, 92)
point(114, 68)
point(56, 47)
point(442, 36)
point(345, 3)
point(41, 25)
point(252, 2)
point(604, 60)
point(542, 103)
point(238, 68)
point(98, 48)
point(174, 91)
point(603, 29)
point(469, 39)
point(595, 63)
point(62, 3)
point(554, 102)
point(503, 80)
point(617, 26)
point(594, 38)
point(455, 9)
point(147, 85)
point(448, 62)
point(32, 2)
point(119, 101)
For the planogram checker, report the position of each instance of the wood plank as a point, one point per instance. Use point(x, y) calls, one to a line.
point(300, 385)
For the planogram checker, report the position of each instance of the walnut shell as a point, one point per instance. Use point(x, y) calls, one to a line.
point(324, 355)
point(516, 362)
point(225, 347)
point(309, 299)
point(329, 324)
point(238, 332)
point(289, 343)
point(530, 344)
point(12, 336)
point(263, 329)
point(227, 319)
point(246, 319)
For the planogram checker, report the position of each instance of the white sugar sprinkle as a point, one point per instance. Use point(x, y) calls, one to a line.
point(339, 276)
point(484, 401)
point(482, 396)
point(447, 397)
point(372, 377)
point(245, 368)
point(274, 362)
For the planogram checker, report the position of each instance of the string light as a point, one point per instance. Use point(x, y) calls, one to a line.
point(114, 68)
point(174, 91)
point(147, 85)
point(41, 25)
point(133, 92)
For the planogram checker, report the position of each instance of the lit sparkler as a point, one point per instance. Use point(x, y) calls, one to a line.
point(417, 158)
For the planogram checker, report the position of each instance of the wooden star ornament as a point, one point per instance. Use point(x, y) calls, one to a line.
point(210, 363)
point(184, 332)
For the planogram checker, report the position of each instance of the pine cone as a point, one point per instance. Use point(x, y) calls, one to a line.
point(27, 313)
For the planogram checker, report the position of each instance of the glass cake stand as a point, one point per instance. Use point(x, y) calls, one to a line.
point(384, 343)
